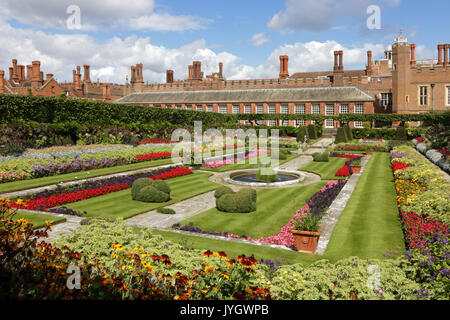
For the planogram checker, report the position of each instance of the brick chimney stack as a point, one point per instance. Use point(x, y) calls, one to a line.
point(36, 74)
point(15, 76)
point(220, 70)
point(284, 73)
point(369, 63)
point(48, 76)
point(29, 72)
point(446, 52)
point(133, 75)
point(336, 66)
point(169, 76)
point(341, 63)
point(440, 49)
point(197, 71)
point(139, 75)
point(87, 76)
point(78, 79)
point(11, 72)
point(21, 72)
point(413, 54)
point(2, 81)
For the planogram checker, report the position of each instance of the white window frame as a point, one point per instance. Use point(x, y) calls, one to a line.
point(189, 107)
point(358, 109)
point(236, 109)
point(179, 107)
point(272, 107)
point(223, 108)
point(260, 108)
point(300, 108)
point(209, 108)
point(386, 99)
point(271, 123)
point(247, 108)
point(423, 96)
point(447, 90)
point(313, 108)
point(344, 108)
point(358, 124)
point(284, 108)
point(329, 123)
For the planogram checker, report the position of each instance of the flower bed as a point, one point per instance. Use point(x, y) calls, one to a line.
point(346, 170)
point(362, 147)
point(28, 168)
point(154, 156)
point(371, 141)
point(156, 141)
point(63, 195)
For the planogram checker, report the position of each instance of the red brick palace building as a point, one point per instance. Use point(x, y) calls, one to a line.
point(398, 83)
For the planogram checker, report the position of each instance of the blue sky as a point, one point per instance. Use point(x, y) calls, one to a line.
point(248, 36)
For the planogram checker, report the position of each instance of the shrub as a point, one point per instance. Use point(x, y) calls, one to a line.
point(321, 157)
point(150, 191)
point(401, 133)
point(348, 132)
point(221, 191)
point(341, 136)
point(301, 133)
point(151, 194)
point(312, 133)
point(245, 200)
point(166, 210)
point(282, 155)
point(138, 185)
point(226, 203)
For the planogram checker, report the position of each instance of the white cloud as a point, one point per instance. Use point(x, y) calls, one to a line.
point(99, 15)
point(322, 15)
point(259, 39)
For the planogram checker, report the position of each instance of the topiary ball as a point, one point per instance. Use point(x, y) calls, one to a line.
point(161, 185)
point(138, 185)
point(151, 194)
point(221, 191)
point(227, 203)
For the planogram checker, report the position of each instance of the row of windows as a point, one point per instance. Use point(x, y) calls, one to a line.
point(284, 108)
point(424, 96)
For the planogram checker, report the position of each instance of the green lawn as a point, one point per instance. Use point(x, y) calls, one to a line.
point(369, 225)
point(326, 170)
point(119, 204)
point(40, 182)
point(246, 165)
point(274, 208)
point(38, 219)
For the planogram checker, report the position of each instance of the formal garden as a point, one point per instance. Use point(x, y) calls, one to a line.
point(363, 215)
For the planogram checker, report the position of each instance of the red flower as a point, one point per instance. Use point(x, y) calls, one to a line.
point(343, 172)
point(399, 166)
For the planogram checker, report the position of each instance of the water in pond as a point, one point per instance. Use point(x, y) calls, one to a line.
point(251, 178)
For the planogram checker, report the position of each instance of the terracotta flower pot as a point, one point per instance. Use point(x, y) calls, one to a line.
point(306, 241)
point(356, 169)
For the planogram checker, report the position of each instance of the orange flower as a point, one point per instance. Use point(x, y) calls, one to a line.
point(231, 262)
point(207, 254)
point(209, 269)
point(221, 254)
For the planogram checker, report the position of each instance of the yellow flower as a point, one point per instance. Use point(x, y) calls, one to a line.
point(137, 249)
point(20, 202)
point(209, 269)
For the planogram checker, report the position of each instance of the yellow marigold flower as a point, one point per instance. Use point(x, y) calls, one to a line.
point(114, 255)
point(144, 255)
point(137, 249)
point(226, 276)
point(209, 269)
point(20, 202)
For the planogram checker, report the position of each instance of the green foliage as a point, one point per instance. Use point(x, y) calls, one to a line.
point(321, 157)
point(401, 133)
point(138, 185)
point(301, 133)
point(243, 201)
point(345, 280)
point(348, 132)
point(227, 203)
point(341, 136)
point(221, 191)
point(166, 211)
point(148, 190)
point(307, 223)
point(282, 155)
point(312, 132)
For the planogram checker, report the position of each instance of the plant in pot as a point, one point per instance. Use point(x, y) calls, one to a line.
point(356, 166)
point(306, 232)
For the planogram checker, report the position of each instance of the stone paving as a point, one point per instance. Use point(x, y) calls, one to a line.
point(335, 210)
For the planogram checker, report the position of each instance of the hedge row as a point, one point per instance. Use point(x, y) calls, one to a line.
point(52, 110)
